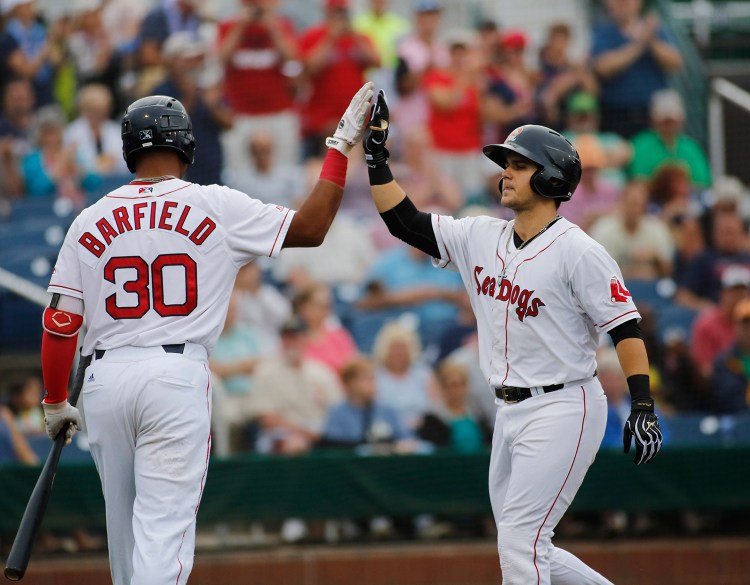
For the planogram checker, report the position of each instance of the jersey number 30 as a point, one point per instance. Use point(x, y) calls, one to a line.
point(153, 275)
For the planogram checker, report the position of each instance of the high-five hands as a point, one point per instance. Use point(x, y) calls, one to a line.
point(376, 154)
point(352, 124)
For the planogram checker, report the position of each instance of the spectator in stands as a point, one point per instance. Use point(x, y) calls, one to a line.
point(690, 241)
point(665, 141)
point(699, 284)
point(234, 359)
point(404, 279)
point(91, 50)
point(402, 380)
point(190, 81)
point(632, 56)
point(360, 420)
point(94, 136)
point(122, 21)
point(714, 329)
point(259, 52)
point(16, 121)
point(463, 330)
point(730, 386)
point(560, 76)
point(511, 86)
point(582, 120)
point(418, 53)
point(261, 307)
point(162, 21)
point(481, 396)
point(326, 341)
point(51, 169)
point(596, 195)
point(265, 177)
point(13, 445)
point(682, 386)
point(24, 400)
point(671, 193)
point(31, 50)
point(641, 244)
point(385, 28)
point(335, 59)
point(423, 177)
point(292, 396)
point(341, 262)
point(454, 93)
point(450, 422)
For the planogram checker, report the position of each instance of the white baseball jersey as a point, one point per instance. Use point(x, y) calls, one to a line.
point(158, 260)
point(540, 309)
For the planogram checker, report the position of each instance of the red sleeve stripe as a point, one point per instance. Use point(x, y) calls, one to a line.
point(278, 233)
point(616, 318)
point(65, 287)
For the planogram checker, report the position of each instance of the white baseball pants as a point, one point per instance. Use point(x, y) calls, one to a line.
point(148, 416)
point(541, 450)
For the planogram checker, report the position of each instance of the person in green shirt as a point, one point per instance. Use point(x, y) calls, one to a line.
point(385, 28)
point(666, 142)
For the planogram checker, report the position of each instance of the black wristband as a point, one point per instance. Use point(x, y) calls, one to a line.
point(380, 175)
point(640, 394)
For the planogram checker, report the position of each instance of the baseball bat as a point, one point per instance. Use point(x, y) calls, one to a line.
point(20, 552)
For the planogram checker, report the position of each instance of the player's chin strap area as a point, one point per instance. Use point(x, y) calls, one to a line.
point(514, 394)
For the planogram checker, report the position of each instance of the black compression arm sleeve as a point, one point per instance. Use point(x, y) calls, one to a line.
point(625, 331)
point(412, 226)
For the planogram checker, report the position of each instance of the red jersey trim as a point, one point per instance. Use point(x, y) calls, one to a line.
point(616, 318)
point(278, 233)
point(444, 246)
point(148, 196)
point(65, 287)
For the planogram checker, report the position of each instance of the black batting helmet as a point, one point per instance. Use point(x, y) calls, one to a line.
point(559, 163)
point(157, 121)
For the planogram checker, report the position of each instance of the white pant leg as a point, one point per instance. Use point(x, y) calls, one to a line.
point(567, 569)
point(551, 440)
point(171, 461)
point(111, 436)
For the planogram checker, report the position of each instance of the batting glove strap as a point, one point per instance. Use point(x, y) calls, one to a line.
point(352, 124)
point(56, 415)
point(642, 427)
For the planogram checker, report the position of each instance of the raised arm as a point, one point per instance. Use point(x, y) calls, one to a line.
point(310, 224)
point(403, 219)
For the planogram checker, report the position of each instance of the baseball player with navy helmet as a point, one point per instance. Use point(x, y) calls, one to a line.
point(151, 267)
point(543, 291)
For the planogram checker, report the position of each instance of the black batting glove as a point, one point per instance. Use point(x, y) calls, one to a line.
point(376, 133)
point(643, 427)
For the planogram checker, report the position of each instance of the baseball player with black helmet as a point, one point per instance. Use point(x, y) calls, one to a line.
point(543, 291)
point(151, 267)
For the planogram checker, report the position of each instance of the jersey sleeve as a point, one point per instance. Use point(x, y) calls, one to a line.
point(451, 236)
point(254, 228)
point(598, 285)
point(66, 276)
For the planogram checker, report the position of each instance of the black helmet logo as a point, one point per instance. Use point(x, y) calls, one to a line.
point(146, 135)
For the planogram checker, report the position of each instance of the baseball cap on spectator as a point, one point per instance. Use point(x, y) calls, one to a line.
point(583, 102)
point(183, 44)
point(666, 104)
point(735, 275)
point(742, 310)
point(728, 189)
point(513, 39)
point(428, 6)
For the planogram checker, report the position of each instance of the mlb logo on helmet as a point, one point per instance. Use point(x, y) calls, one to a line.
point(146, 135)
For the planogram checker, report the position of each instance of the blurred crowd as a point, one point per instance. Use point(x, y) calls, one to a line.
point(361, 344)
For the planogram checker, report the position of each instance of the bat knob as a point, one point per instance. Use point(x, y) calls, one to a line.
point(13, 574)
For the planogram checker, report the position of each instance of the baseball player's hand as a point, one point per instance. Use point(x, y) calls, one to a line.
point(55, 417)
point(376, 154)
point(643, 427)
point(352, 124)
